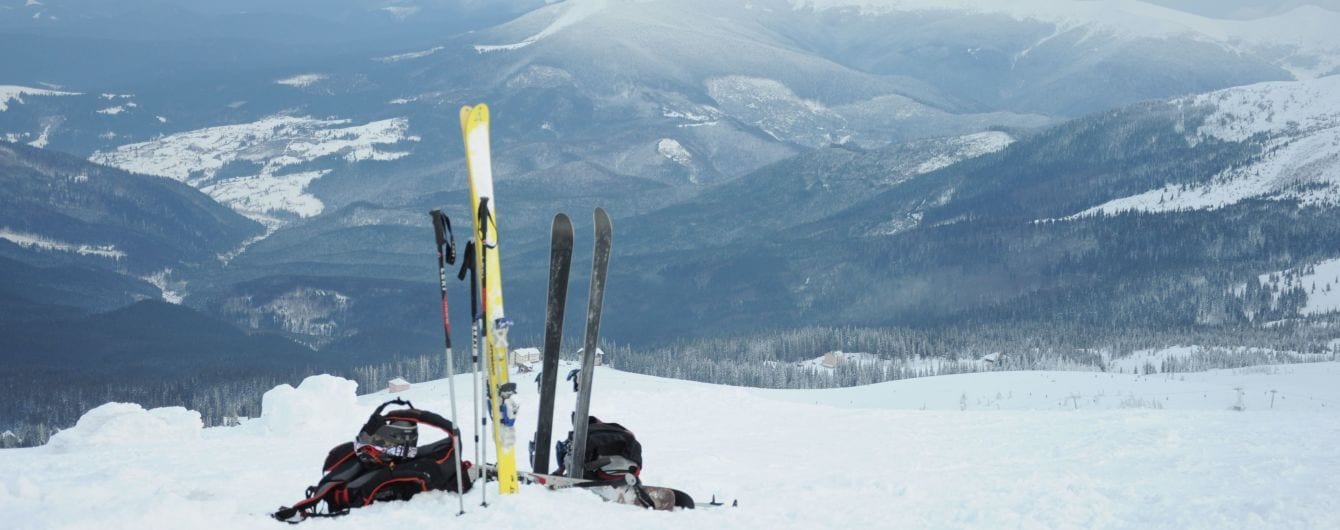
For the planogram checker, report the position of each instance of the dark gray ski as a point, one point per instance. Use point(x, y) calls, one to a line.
point(599, 265)
point(560, 264)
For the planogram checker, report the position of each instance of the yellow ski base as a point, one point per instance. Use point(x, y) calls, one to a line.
point(475, 129)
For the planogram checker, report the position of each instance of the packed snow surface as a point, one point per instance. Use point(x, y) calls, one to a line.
point(987, 450)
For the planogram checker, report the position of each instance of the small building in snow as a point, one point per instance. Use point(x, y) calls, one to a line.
point(525, 359)
point(600, 355)
point(832, 359)
point(397, 385)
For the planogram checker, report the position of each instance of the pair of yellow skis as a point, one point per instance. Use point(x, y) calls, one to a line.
point(475, 130)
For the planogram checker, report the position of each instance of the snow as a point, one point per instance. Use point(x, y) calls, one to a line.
point(987, 450)
point(401, 12)
point(301, 80)
point(171, 291)
point(675, 152)
point(965, 147)
point(123, 426)
point(409, 55)
point(777, 110)
point(1299, 121)
point(303, 311)
point(1322, 286)
point(569, 13)
point(915, 366)
point(275, 143)
point(540, 76)
point(15, 94)
point(44, 137)
point(1144, 360)
point(1302, 40)
point(321, 403)
point(258, 197)
point(28, 240)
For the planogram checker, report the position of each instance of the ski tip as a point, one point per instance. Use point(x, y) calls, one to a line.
point(562, 223)
point(683, 501)
point(480, 113)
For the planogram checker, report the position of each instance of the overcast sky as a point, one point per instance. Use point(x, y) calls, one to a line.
point(1243, 8)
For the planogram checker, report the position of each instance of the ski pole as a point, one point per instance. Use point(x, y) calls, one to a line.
point(468, 267)
point(446, 255)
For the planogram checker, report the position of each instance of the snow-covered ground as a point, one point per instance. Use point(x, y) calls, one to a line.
point(28, 240)
point(276, 145)
point(965, 147)
point(1303, 38)
point(1300, 122)
point(14, 94)
point(1320, 281)
point(301, 80)
point(565, 14)
point(988, 450)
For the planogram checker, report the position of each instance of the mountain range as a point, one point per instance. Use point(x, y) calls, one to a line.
point(1114, 166)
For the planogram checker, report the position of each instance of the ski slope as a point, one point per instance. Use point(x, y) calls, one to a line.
point(987, 450)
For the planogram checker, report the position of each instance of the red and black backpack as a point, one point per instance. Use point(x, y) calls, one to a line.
point(383, 463)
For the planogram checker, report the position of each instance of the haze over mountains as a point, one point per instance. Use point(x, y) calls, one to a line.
point(1093, 169)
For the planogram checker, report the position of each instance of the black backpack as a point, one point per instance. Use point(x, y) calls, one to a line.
point(383, 464)
point(611, 451)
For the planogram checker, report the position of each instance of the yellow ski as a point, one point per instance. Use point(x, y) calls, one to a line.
point(502, 400)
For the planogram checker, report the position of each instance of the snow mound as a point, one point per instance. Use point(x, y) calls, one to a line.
point(127, 424)
point(320, 403)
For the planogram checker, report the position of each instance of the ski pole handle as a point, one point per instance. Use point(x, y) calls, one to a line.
point(442, 228)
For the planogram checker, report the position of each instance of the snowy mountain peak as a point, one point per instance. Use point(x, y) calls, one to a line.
point(1302, 41)
point(563, 16)
point(1299, 123)
point(1271, 108)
